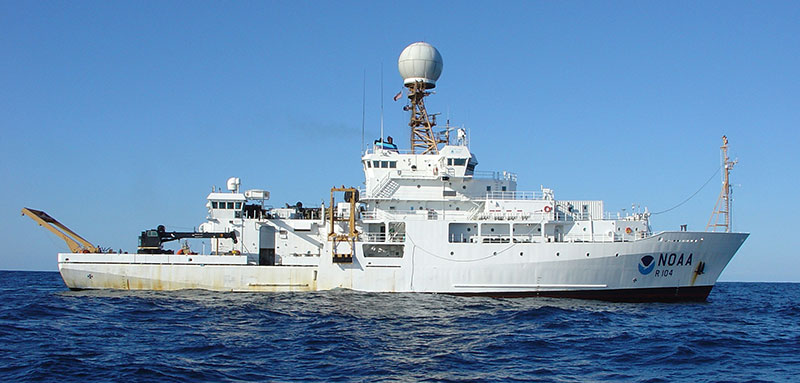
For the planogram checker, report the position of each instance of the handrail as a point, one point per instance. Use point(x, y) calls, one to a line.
point(515, 195)
point(382, 237)
point(394, 215)
point(495, 175)
point(477, 213)
point(381, 184)
point(535, 238)
point(387, 151)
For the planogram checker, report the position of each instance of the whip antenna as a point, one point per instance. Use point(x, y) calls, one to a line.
point(363, 106)
point(381, 101)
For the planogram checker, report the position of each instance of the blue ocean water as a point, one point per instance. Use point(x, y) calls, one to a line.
point(746, 332)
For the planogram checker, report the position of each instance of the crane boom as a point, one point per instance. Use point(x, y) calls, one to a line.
point(150, 241)
point(75, 242)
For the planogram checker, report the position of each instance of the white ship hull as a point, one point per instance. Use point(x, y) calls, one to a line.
point(582, 270)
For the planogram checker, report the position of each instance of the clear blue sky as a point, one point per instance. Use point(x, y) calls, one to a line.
point(119, 116)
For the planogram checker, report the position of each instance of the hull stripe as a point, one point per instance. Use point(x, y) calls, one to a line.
point(658, 294)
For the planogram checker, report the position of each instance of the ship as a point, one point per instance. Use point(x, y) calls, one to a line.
point(426, 220)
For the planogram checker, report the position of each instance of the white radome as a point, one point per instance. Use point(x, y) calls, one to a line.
point(233, 184)
point(420, 62)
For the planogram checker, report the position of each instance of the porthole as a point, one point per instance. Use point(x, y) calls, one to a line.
point(418, 186)
point(587, 254)
point(520, 253)
point(557, 254)
point(451, 253)
point(495, 253)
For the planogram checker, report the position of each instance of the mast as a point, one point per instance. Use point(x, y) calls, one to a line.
point(421, 123)
point(420, 64)
point(721, 216)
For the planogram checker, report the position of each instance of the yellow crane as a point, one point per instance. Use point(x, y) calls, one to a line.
point(351, 234)
point(75, 242)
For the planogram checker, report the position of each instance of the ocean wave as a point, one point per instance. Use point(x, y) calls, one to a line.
point(50, 333)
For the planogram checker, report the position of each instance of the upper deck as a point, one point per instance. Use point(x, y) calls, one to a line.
point(449, 174)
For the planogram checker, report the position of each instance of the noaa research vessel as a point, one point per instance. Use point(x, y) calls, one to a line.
point(427, 220)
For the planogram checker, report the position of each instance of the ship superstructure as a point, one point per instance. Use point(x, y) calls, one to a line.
point(427, 219)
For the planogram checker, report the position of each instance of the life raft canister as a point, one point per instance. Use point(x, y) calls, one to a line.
point(548, 209)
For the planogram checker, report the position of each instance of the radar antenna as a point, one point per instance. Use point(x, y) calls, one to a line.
point(721, 216)
point(420, 64)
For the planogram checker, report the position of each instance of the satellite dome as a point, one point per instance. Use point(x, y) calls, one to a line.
point(420, 62)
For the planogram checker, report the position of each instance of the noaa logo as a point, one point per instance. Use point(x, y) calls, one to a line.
point(646, 264)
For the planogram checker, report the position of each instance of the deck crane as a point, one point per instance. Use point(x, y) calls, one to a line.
point(75, 242)
point(150, 241)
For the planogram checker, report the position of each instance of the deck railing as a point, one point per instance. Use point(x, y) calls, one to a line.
point(500, 176)
point(382, 237)
point(515, 195)
point(535, 238)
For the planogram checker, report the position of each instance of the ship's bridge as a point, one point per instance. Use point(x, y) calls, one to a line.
point(225, 205)
point(236, 205)
point(453, 161)
point(391, 173)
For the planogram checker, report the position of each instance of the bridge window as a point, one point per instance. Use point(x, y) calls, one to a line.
point(214, 204)
point(392, 164)
point(471, 166)
point(376, 164)
point(457, 161)
point(384, 164)
point(230, 205)
point(238, 205)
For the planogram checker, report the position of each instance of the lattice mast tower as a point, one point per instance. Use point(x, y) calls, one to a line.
point(721, 216)
point(420, 64)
